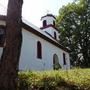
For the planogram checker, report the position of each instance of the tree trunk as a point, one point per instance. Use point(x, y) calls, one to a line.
point(10, 58)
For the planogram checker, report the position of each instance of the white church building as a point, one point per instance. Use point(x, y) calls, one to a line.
point(41, 49)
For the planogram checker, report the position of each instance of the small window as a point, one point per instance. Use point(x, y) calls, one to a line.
point(39, 50)
point(2, 36)
point(54, 23)
point(44, 23)
point(55, 35)
point(64, 58)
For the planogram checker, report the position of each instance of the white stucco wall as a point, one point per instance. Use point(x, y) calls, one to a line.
point(28, 58)
point(2, 22)
point(51, 31)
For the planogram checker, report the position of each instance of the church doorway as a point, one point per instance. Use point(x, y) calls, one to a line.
point(56, 64)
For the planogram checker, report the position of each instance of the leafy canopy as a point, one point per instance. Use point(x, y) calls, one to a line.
point(73, 23)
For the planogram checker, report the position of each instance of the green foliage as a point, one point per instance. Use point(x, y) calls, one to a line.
point(73, 23)
point(77, 79)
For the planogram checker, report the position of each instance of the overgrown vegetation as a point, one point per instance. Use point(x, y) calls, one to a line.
point(77, 79)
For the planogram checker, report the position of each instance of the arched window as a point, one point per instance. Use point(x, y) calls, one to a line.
point(44, 23)
point(64, 58)
point(55, 35)
point(39, 50)
point(56, 64)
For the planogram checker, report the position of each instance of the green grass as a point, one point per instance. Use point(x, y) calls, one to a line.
point(76, 79)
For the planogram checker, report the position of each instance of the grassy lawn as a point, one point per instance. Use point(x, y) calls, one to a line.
point(76, 79)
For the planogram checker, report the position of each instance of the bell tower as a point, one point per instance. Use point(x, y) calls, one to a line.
point(48, 26)
point(47, 20)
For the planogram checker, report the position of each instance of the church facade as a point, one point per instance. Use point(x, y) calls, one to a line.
point(41, 49)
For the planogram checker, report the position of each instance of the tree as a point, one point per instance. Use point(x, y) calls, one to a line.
point(10, 58)
point(74, 24)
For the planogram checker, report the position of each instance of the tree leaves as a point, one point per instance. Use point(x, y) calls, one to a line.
point(73, 23)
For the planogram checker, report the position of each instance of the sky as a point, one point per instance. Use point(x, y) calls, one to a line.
point(33, 10)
